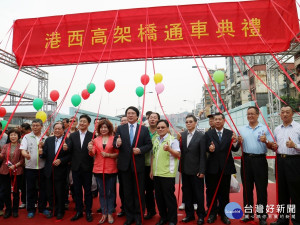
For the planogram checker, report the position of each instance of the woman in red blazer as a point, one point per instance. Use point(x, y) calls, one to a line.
point(11, 172)
point(105, 168)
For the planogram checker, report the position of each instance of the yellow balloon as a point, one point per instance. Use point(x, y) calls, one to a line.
point(158, 78)
point(41, 115)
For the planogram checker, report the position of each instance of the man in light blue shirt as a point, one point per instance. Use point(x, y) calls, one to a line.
point(255, 138)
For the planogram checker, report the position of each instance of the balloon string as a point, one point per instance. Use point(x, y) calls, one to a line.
point(97, 116)
point(8, 39)
point(207, 88)
point(9, 31)
point(109, 37)
point(13, 113)
point(271, 50)
point(8, 91)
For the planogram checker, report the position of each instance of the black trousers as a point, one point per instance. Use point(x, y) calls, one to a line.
point(193, 190)
point(23, 188)
point(149, 192)
point(165, 198)
point(56, 193)
point(289, 186)
point(83, 179)
point(254, 170)
point(5, 192)
point(131, 200)
point(223, 192)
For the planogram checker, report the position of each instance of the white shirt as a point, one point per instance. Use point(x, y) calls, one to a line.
point(82, 136)
point(57, 143)
point(189, 137)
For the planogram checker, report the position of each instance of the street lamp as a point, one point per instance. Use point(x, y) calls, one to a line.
point(194, 105)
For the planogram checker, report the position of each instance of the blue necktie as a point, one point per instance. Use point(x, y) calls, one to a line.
point(220, 136)
point(131, 133)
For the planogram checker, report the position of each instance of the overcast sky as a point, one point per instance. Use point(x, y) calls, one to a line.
point(181, 81)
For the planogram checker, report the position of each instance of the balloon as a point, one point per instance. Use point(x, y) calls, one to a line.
point(41, 115)
point(109, 85)
point(145, 79)
point(54, 95)
point(91, 88)
point(219, 76)
point(85, 94)
point(139, 91)
point(158, 78)
point(2, 111)
point(38, 103)
point(3, 122)
point(159, 88)
point(76, 99)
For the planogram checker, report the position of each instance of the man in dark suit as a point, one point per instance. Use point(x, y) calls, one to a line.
point(82, 167)
point(218, 143)
point(125, 141)
point(56, 168)
point(193, 157)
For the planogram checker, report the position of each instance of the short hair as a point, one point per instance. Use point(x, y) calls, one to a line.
point(63, 126)
point(210, 116)
point(148, 113)
point(108, 124)
point(66, 119)
point(38, 121)
point(284, 106)
point(219, 114)
point(163, 121)
point(122, 117)
point(13, 130)
point(191, 116)
point(158, 116)
point(134, 109)
point(255, 108)
point(86, 117)
point(26, 126)
point(74, 117)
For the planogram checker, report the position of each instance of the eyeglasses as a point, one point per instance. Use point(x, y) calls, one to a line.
point(189, 121)
point(160, 128)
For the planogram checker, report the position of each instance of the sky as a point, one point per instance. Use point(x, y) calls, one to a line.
point(183, 84)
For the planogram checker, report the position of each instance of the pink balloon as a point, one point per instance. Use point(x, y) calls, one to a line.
point(85, 94)
point(159, 88)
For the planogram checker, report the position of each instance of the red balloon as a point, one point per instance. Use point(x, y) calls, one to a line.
point(145, 79)
point(109, 85)
point(85, 94)
point(2, 111)
point(54, 95)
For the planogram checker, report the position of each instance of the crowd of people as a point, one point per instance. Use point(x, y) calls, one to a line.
point(41, 170)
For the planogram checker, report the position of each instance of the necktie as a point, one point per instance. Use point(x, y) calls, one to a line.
point(131, 133)
point(56, 140)
point(220, 136)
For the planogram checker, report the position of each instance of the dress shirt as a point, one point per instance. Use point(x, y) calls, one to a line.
point(282, 135)
point(189, 137)
point(57, 143)
point(82, 136)
point(251, 139)
point(134, 128)
point(220, 131)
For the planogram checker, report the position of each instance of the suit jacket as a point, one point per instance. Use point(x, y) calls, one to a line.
point(193, 156)
point(125, 150)
point(216, 160)
point(80, 158)
point(49, 155)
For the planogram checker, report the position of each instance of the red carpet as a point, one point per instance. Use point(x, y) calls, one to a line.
point(39, 219)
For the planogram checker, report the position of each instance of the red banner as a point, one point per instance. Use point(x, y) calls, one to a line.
point(171, 31)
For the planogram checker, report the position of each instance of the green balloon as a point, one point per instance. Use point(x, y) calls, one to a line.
point(3, 122)
point(38, 103)
point(91, 88)
point(139, 91)
point(76, 99)
point(219, 76)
